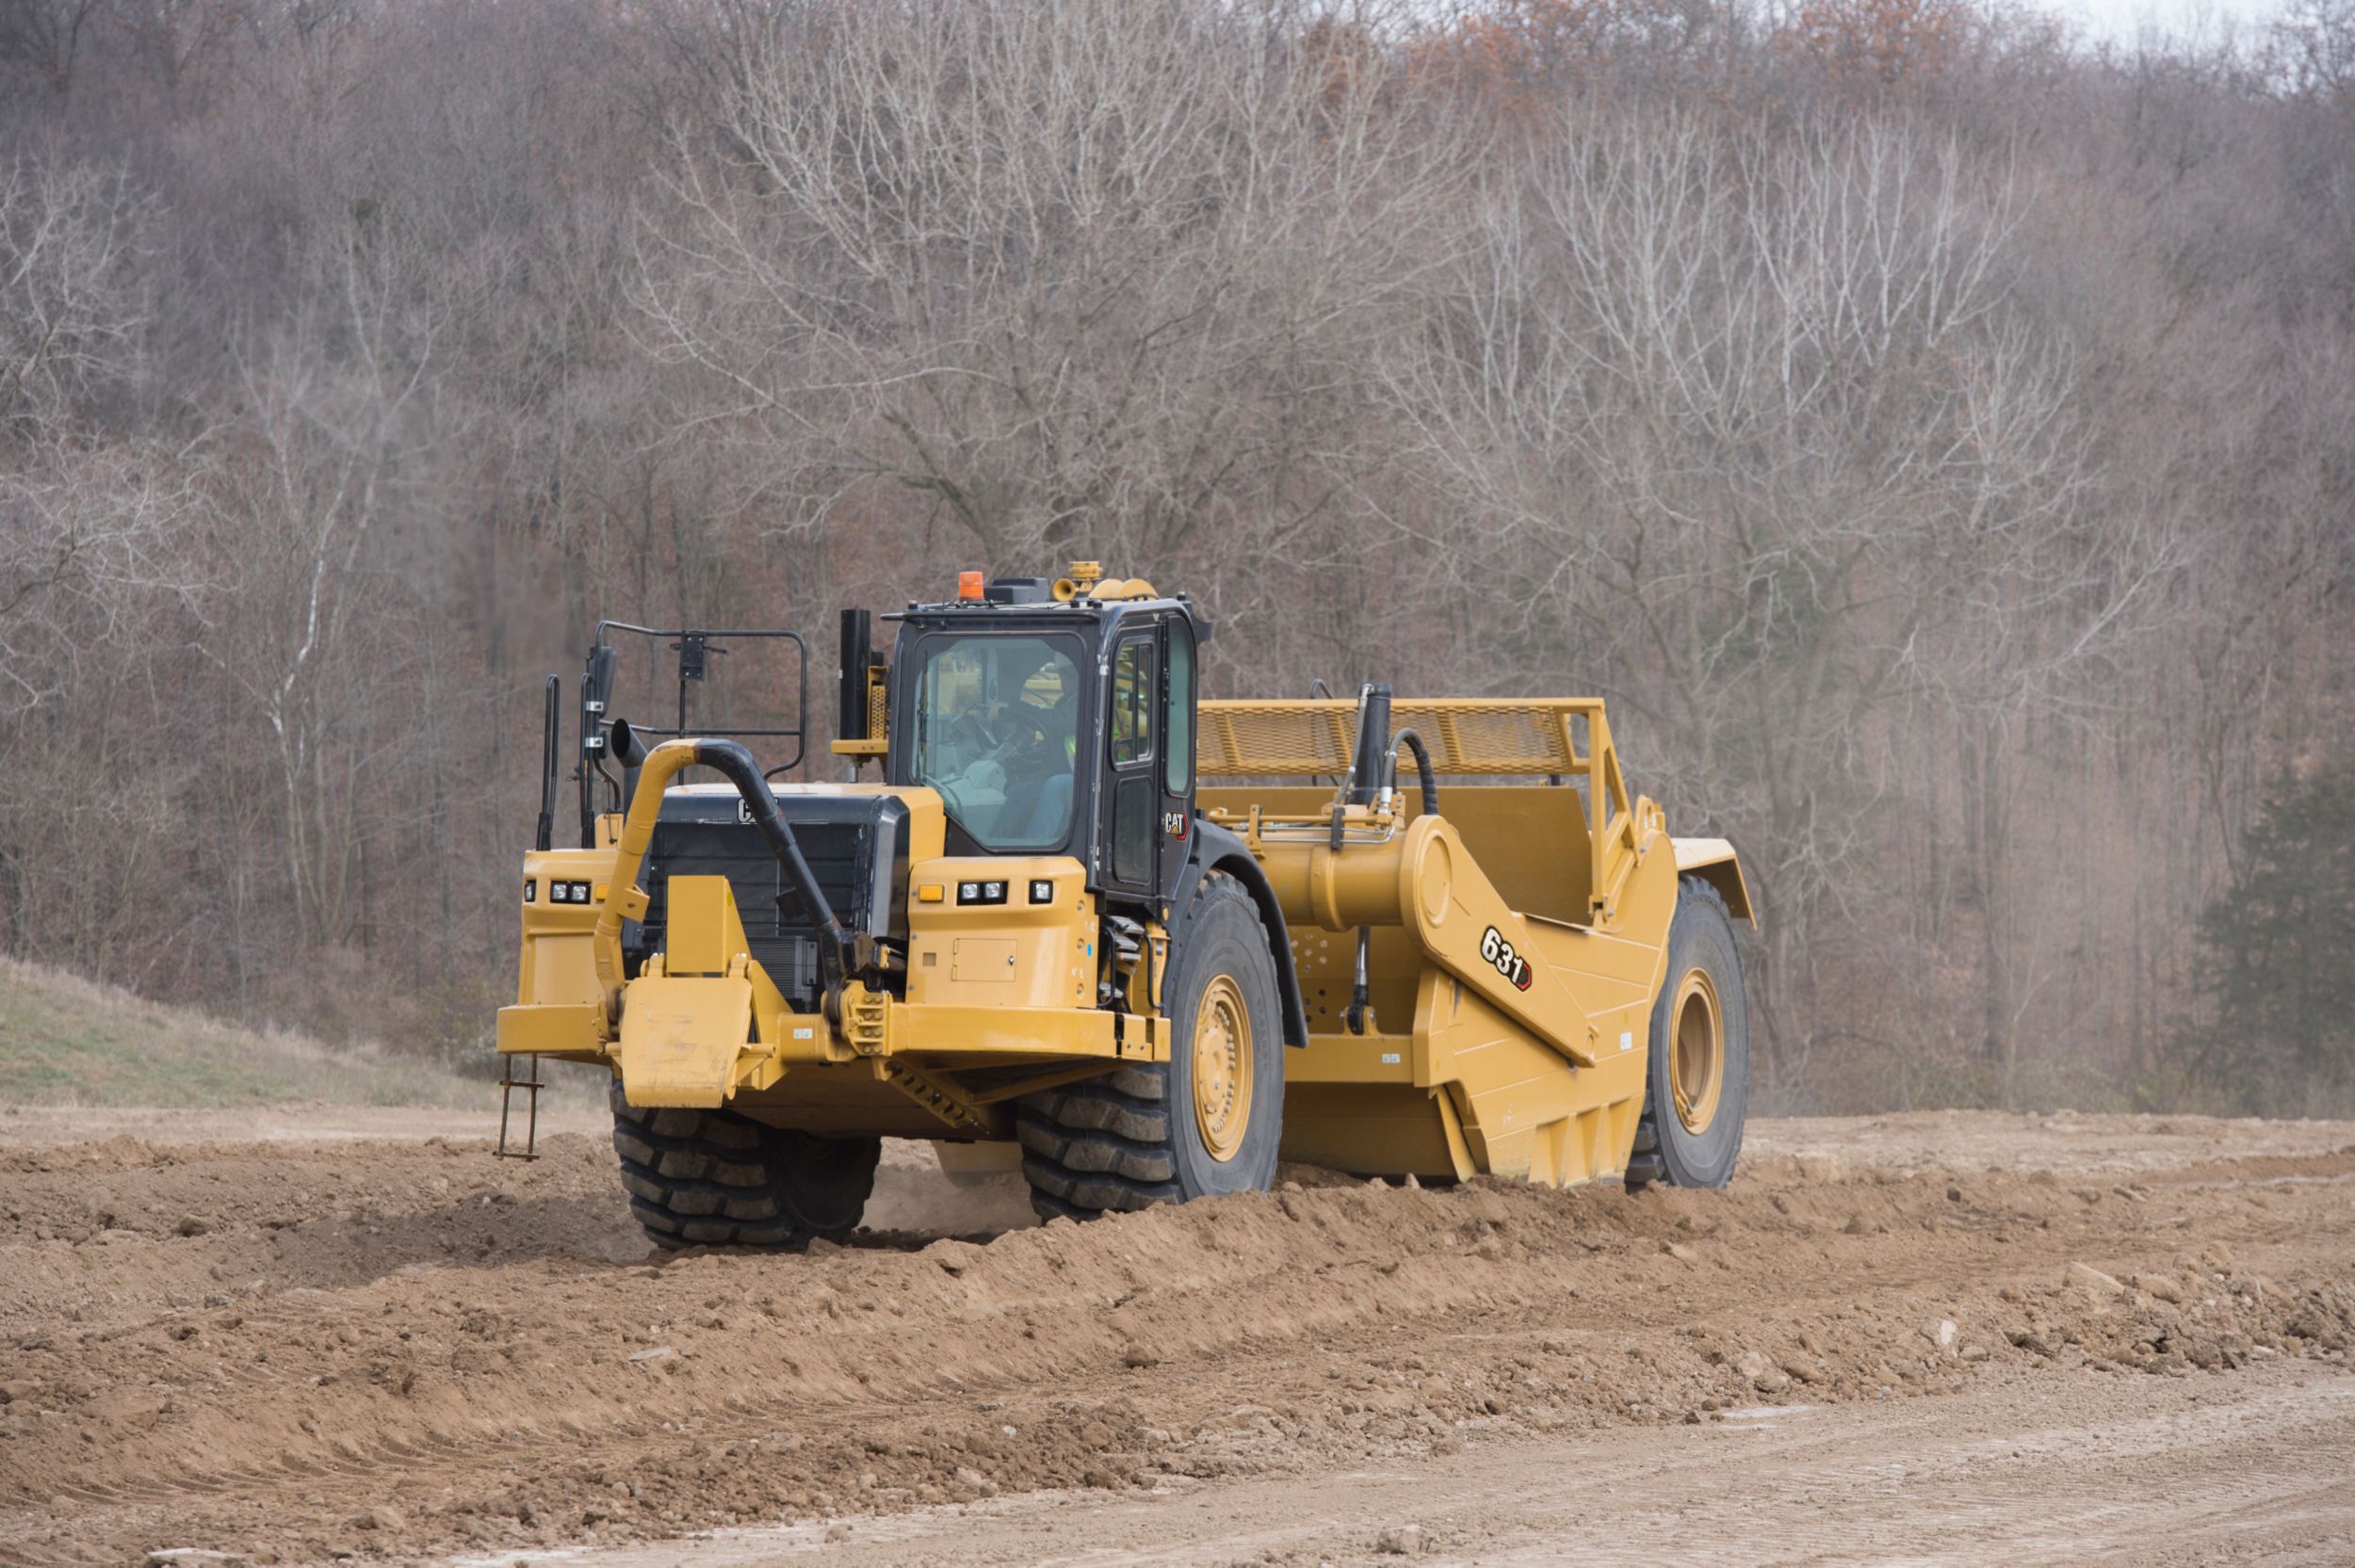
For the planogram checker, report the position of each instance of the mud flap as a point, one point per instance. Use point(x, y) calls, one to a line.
point(681, 1038)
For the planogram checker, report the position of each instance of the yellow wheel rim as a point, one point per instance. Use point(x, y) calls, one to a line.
point(1697, 1051)
point(1222, 1068)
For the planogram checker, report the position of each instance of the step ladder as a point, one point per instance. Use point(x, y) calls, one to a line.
point(531, 1087)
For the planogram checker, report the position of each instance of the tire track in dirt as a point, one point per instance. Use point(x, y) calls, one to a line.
point(399, 1347)
point(2023, 1469)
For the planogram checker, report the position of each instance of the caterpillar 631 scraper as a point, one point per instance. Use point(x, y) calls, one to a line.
point(1153, 944)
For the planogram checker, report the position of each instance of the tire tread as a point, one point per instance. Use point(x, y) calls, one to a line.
point(1649, 1164)
point(1104, 1144)
point(701, 1178)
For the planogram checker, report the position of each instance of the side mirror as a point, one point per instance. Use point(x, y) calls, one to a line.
point(596, 690)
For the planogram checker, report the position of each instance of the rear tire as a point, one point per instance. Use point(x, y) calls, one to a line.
point(716, 1178)
point(1698, 1081)
point(1206, 1122)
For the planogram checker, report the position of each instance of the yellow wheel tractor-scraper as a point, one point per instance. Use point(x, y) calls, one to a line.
point(1147, 944)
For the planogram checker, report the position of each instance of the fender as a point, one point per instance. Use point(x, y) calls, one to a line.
point(1714, 862)
point(1217, 850)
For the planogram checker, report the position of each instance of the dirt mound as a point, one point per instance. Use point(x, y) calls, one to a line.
point(290, 1352)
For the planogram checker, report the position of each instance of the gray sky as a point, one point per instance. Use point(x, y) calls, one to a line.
point(2121, 20)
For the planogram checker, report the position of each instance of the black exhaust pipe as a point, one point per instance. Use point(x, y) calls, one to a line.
point(1373, 743)
point(551, 728)
point(628, 748)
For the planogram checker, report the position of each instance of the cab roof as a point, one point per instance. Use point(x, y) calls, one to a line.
point(1028, 597)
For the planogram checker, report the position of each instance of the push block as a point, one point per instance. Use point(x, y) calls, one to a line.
point(681, 1036)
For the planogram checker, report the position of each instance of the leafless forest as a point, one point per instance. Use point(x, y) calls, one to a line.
point(1936, 437)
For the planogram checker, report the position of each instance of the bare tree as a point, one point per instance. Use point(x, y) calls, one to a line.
point(1084, 275)
point(1779, 468)
point(2313, 48)
point(42, 40)
point(332, 424)
point(1847, 390)
point(85, 518)
point(72, 309)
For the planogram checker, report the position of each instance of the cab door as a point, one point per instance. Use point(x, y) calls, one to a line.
point(1133, 767)
point(1175, 840)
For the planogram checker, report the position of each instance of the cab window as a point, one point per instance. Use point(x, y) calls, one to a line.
point(1178, 775)
point(996, 732)
point(1133, 703)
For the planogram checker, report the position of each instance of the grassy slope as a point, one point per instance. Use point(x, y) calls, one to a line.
point(66, 1041)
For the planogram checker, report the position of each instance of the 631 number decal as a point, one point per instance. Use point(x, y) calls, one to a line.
point(1509, 963)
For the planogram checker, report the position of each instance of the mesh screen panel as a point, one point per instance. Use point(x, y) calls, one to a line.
point(1509, 736)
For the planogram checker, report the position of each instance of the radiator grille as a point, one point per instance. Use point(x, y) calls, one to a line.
point(853, 863)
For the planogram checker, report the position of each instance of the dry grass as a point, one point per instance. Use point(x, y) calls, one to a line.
point(66, 1041)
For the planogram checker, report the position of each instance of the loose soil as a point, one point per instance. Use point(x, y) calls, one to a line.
point(383, 1343)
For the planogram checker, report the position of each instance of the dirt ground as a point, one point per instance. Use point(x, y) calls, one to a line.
point(302, 1336)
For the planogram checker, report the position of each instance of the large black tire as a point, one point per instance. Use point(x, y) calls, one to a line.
point(1703, 973)
point(714, 1178)
point(1140, 1135)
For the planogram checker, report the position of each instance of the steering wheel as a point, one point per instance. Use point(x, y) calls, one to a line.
point(969, 729)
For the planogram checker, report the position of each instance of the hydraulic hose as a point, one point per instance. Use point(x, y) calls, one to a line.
point(732, 762)
point(1424, 772)
point(1360, 993)
point(735, 764)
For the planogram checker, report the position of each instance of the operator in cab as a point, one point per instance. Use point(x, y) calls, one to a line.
point(998, 737)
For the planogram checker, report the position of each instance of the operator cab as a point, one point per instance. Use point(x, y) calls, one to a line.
point(1051, 718)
